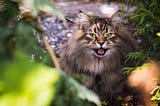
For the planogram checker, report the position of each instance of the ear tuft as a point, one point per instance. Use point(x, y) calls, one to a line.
point(116, 18)
point(80, 11)
point(83, 20)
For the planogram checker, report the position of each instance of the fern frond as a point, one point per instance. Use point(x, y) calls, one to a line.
point(127, 70)
point(136, 58)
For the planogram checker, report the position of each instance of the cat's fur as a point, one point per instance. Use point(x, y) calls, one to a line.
point(98, 49)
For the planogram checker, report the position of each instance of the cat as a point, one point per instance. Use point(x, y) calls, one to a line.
point(98, 50)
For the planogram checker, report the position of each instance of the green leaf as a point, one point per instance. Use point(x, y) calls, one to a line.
point(85, 94)
point(37, 6)
point(127, 70)
point(24, 83)
point(141, 20)
point(158, 34)
point(156, 94)
point(136, 58)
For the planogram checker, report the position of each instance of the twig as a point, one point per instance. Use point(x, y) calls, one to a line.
point(51, 53)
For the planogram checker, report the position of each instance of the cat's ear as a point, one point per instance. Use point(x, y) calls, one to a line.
point(115, 19)
point(83, 20)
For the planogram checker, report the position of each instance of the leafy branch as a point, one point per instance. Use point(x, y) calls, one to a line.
point(137, 58)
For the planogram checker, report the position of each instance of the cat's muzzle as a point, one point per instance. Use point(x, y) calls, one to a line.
point(100, 52)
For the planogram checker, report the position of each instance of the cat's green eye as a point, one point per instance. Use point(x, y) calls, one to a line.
point(93, 35)
point(108, 35)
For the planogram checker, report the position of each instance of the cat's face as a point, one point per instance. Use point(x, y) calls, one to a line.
point(101, 38)
point(97, 47)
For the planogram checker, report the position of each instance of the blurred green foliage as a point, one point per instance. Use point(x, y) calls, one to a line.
point(15, 34)
point(147, 19)
point(156, 94)
point(147, 24)
point(24, 83)
point(31, 82)
point(41, 5)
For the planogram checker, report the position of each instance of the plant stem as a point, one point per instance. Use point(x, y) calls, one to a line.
point(51, 53)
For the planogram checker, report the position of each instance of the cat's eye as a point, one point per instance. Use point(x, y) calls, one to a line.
point(93, 35)
point(108, 35)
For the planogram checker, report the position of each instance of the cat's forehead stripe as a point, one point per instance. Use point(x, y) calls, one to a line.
point(94, 28)
point(104, 27)
point(100, 26)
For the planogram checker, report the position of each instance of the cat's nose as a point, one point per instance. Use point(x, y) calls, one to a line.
point(101, 40)
point(101, 43)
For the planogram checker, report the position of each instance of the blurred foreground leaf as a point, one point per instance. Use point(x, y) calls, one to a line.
point(156, 93)
point(23, 83)
point(158, 34)
point(26, 83)
point(35, 6)
point(85, 94)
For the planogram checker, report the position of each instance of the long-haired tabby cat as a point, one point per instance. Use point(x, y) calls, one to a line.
point(98, 50)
